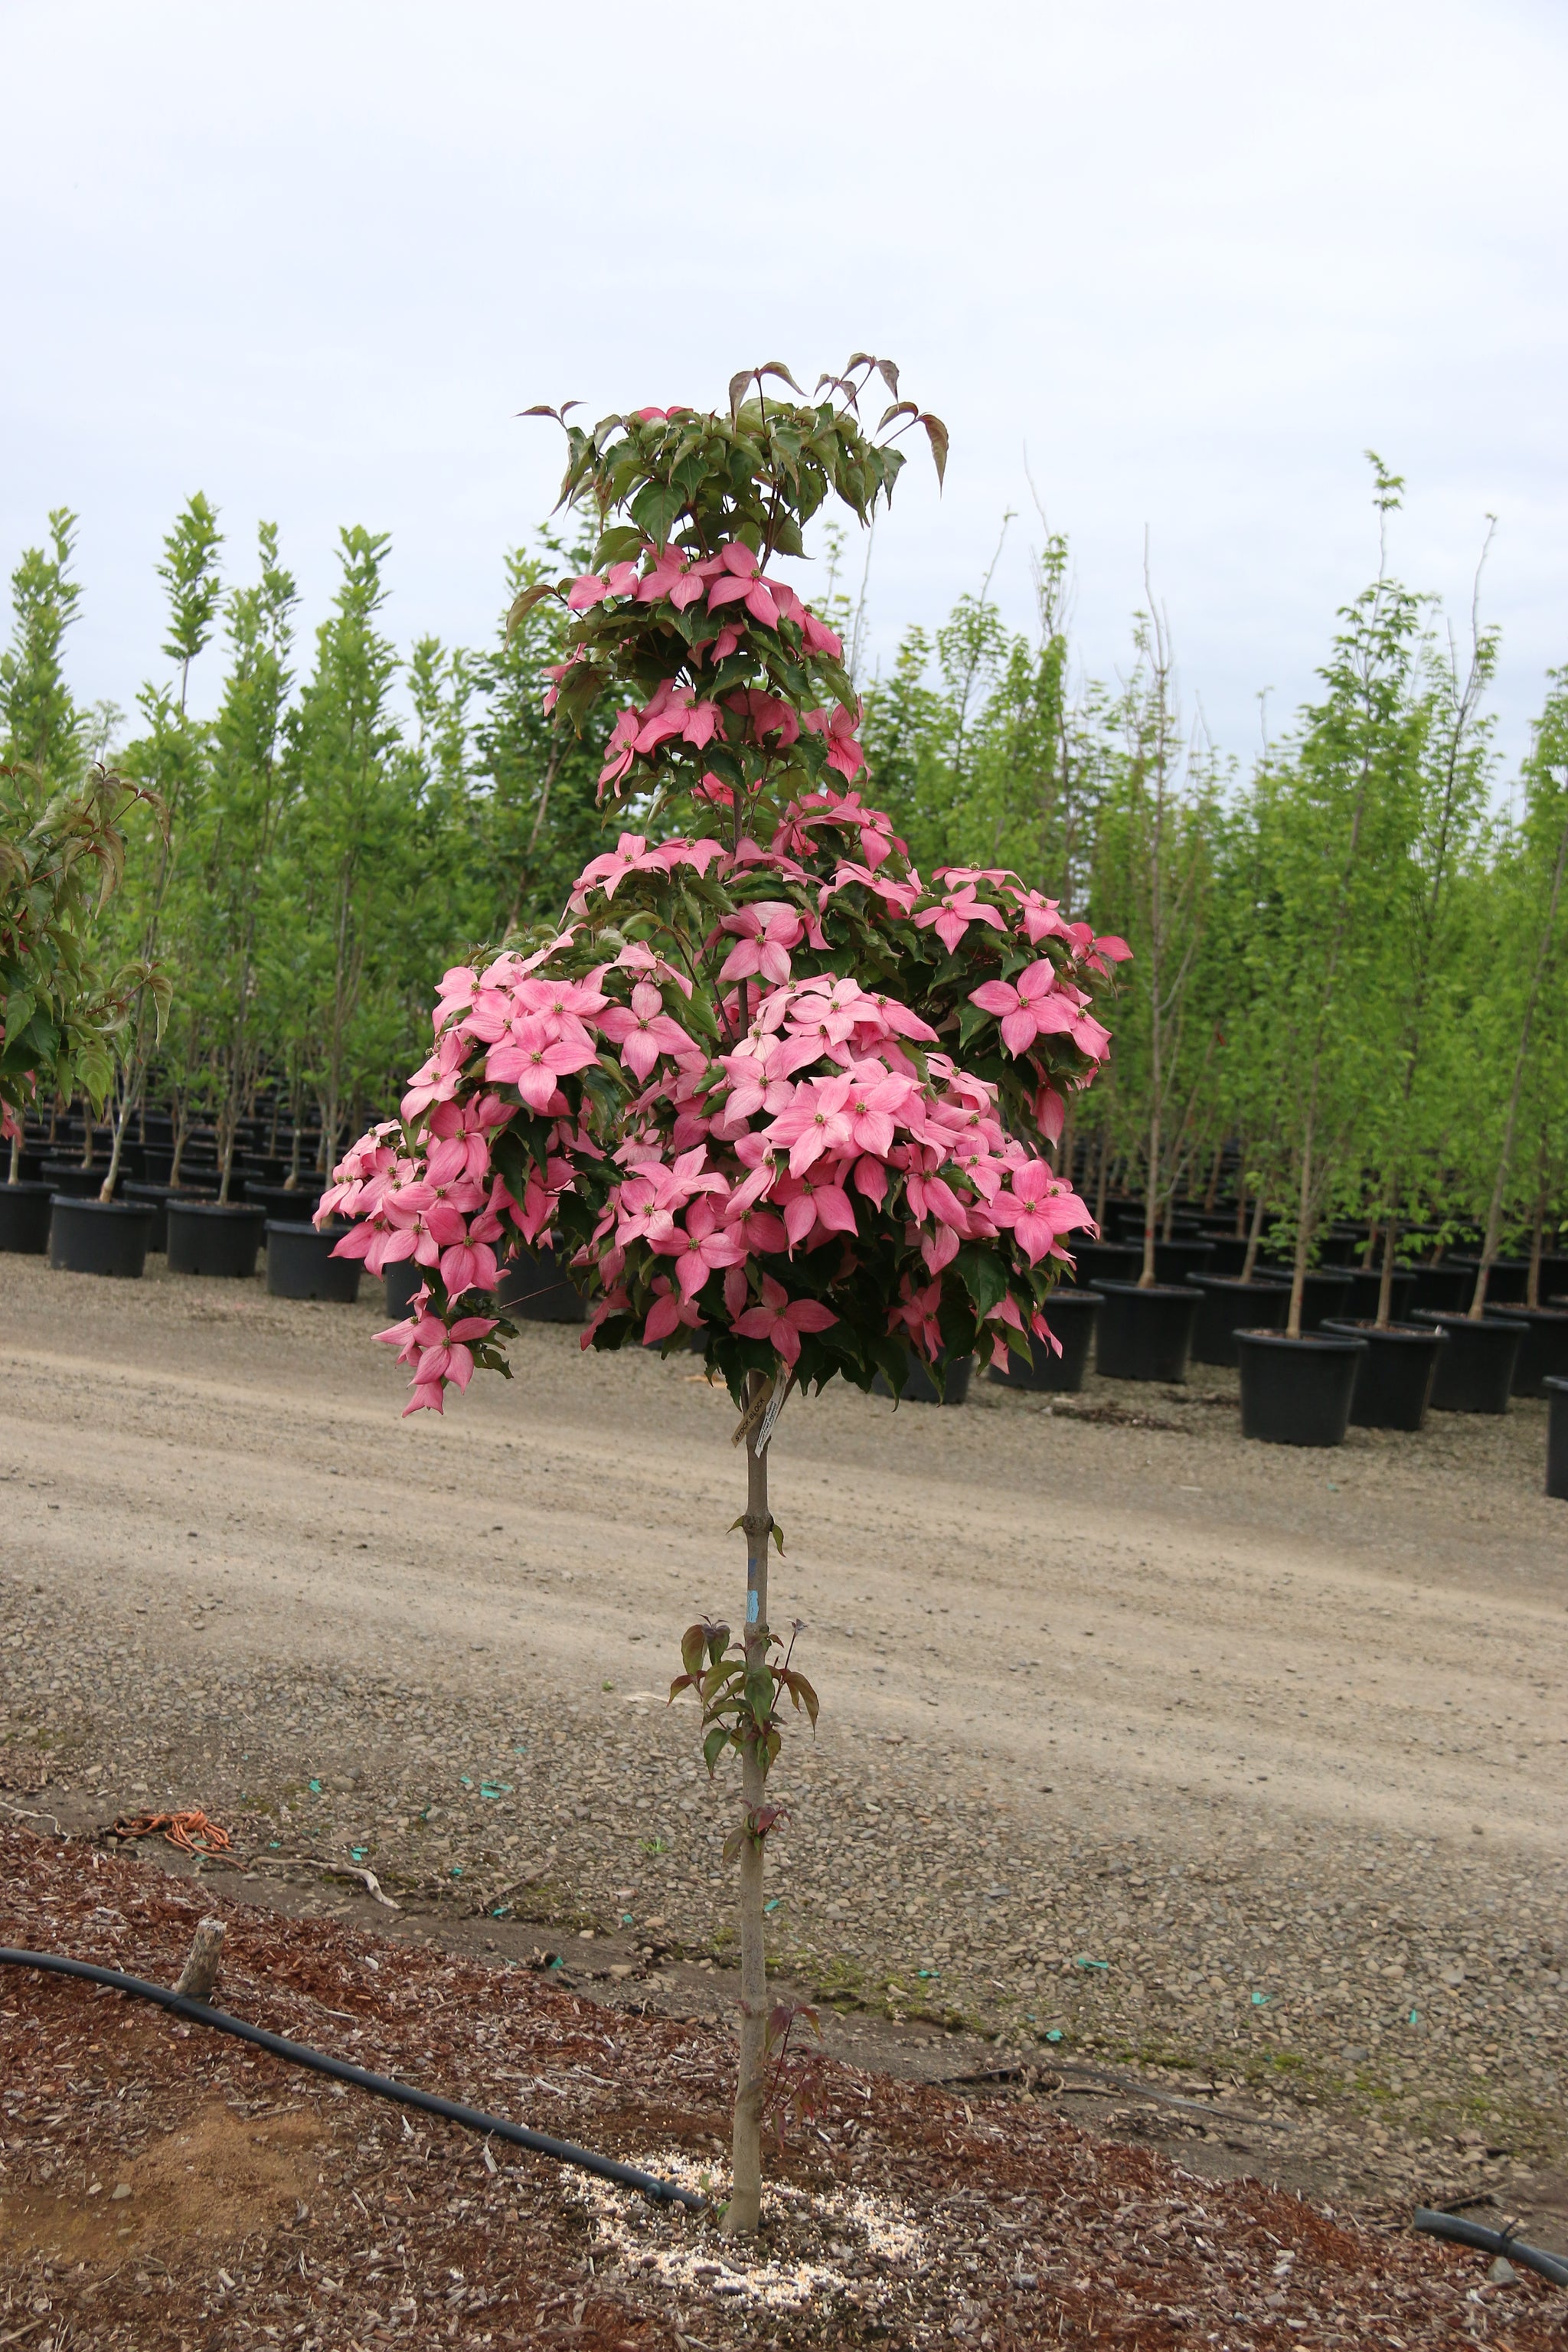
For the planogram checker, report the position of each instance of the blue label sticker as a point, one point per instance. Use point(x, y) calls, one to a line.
point(751, 1608)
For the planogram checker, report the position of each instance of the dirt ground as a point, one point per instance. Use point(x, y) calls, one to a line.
point(1226, 1770)
point(165, 2187)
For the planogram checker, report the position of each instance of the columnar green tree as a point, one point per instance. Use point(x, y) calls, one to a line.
point(232, 860)
point(348, 851)
point(1530, 988)
point(171, 757)
point(41, 728)
point(1335, 808)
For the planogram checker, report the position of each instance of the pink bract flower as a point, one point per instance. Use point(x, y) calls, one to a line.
point(1029, 1008)
point(958, 909)
point(779, 1319)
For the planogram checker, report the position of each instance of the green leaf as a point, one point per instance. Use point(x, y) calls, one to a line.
point(713, 1747)
point(655, 509)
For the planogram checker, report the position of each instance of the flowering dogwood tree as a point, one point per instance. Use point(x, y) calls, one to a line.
point(768, 1091)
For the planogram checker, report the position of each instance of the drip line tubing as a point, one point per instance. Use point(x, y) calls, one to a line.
point(299, 2053)
point(1491, 2242)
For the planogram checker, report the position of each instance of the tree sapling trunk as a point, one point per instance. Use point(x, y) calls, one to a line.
point(743, 2211)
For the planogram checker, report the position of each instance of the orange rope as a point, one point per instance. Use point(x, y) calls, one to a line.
point(191, 1832)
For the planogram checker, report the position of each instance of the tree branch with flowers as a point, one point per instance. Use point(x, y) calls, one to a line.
point(767, 1090)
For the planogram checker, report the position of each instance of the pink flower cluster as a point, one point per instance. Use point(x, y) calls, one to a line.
point(819, 1107)
point(675, 713)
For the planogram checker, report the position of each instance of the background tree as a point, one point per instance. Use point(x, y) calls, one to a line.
point(171, 758)
point(45, 734)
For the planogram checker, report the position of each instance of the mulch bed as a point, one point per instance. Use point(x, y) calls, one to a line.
point(163, 2187)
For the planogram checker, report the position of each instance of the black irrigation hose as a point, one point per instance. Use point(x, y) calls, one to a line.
point(299, 2053)
point(1491, 2242)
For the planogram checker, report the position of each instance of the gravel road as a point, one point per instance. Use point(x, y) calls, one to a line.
point(1237, 1762)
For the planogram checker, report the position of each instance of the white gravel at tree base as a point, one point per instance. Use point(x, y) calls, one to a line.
point(1242, 1766)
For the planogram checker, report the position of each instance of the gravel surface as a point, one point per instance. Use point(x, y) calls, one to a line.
point(1234, 1769)
point(163, 2185)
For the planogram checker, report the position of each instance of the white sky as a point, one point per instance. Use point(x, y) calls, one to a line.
point(1189, 262)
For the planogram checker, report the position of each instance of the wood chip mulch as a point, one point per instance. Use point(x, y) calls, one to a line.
point(161, 2186)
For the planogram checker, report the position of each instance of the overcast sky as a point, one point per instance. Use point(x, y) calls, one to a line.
point(1180, 266)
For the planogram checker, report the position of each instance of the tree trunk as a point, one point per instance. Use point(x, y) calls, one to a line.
point(1150, 1209)
point(1249, 1262)
point(16, 1175)
point(1385, 1288)
point(1303, 1231)
point(744, 2213)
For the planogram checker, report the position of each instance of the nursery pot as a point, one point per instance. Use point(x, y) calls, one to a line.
point(1394, 1387)
point(300, 1264)
point(1145, 1335)
point(404, 1279)
point(1322, 1294)
point(536, 1286)
point(1557, 1440)
point(1506, 1284)
point(77, 1183)
point(157, 1197)
point(1178, 1261)
point(25, 1218)
point(1296, 1392)
point(1543, 1352)
point(207, 1239)
point(1227, 1256)
point(1475, 1372)
point(1367, 1288)
point(1097, 1262)
point(297, 1207)
point(97, 1237)
point(921, 1389)
point(1072, 1316)
point(1230, 1306)
point(1440, 1289)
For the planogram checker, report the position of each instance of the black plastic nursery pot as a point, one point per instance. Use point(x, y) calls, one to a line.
point(205, 1238)
point(1440, 1289)
point(157, 1198)
point(70, 1177)
point(1394, 1387)
point(1227, 1255)
point(1323, 1294)
point(921, 1389)
point(1098, 1262)
point(404, 1280)
point(536, 1289)
point(1543, 1352)
point(99, 1236)
point(296, 1207)
point(1507, 1283)
point(25, 1218)
point(1474, 1371)
point(1145, 1335)
point(1557, 1440)
point(1230, 1306)
point(1072, 1315)
point(1297, 1391)
point(1177, 1261)
point(1366, 1288)
point(300, 1264)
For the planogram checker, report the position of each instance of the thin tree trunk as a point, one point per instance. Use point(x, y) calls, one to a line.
point(1521, 1059)
point(1249, 1262)
point(1211, 1194)
point(1150, 1210)
point(1303, 1221)
point(744, 2213)
point(16, 1175)
point(1385, 1288)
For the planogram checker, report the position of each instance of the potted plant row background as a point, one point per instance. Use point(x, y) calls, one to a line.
point(299, 960)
